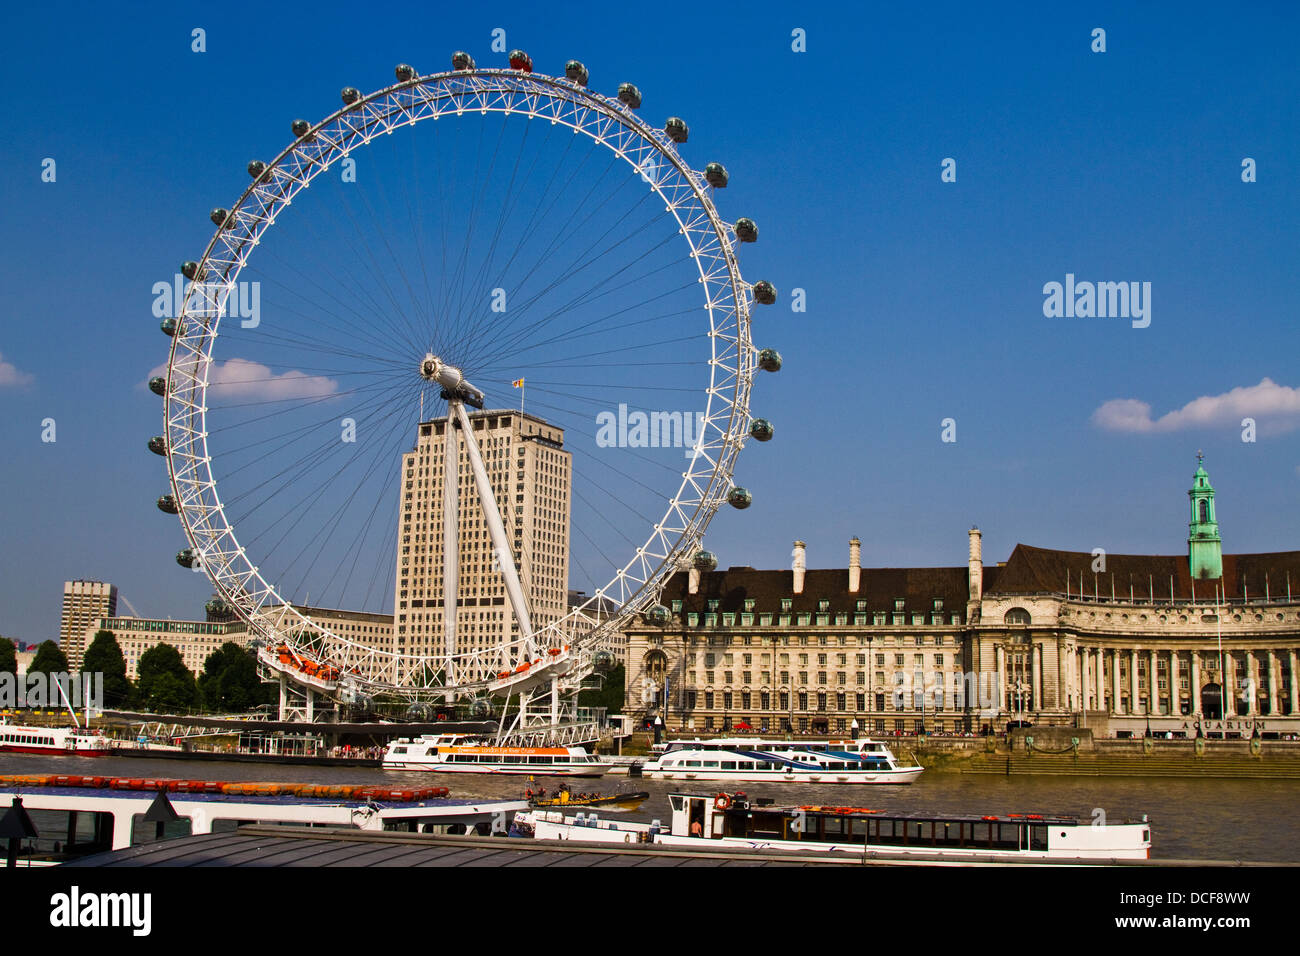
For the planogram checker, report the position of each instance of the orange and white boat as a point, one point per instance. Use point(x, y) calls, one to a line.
point(459, 753)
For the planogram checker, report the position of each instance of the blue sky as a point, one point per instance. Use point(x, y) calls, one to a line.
point(924, 298)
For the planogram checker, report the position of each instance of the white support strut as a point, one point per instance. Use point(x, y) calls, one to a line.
point(505, 556)
point(450, 549)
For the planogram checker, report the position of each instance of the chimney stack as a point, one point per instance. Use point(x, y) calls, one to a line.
point(855, 565)
point(799, 566)
point(975, 575)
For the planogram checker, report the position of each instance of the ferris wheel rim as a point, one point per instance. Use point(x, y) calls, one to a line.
point(639, 581)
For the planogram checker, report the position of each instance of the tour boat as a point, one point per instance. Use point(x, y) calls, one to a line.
point(459, 753)
point(755, 760)
point(729, 821)
point(62, 741)
point(83, 815)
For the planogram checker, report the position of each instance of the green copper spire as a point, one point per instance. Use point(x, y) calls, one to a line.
point(1204, 547)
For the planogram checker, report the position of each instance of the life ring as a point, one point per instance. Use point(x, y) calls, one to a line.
point(721, 802)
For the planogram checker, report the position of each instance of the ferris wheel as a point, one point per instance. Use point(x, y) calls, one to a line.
point(473, 267)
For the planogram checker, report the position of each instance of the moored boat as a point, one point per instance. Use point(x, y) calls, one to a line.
point(756, 760)
point(52, 741)
point(731, 821)
point(83, 815)
point(458, 753)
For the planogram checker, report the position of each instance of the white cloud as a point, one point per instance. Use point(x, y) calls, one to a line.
point(9, 374)
point(1267, 402)
point(242, 379)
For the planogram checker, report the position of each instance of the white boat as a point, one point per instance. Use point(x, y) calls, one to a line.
point(731, 822)
point(755, 760)
point(52, 741)
point(459, 753)
point(80, 816)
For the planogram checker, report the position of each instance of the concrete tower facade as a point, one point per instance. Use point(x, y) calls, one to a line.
point(531, 477)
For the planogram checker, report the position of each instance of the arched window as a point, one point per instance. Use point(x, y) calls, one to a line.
point(1205, 511)
point(1017, 617)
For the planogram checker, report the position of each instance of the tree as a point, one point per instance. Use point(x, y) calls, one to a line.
point(49, 659)
point(104, 656)
point(609, 695)
point(229, 682)
point(165, 683)
point(8, 657)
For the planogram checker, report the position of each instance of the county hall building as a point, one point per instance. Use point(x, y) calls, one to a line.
point(1125, 645)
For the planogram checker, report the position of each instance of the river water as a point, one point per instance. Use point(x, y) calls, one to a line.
point(1210, 819)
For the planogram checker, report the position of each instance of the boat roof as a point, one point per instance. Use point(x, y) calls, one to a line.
point(1048, 819)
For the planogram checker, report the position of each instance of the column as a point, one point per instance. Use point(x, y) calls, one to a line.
point(1228, 682)
point(1291, 690)
point(1175, 691)
point(1252, 671)
point(1273, 708)
point(1083, 679)
point(1000, 674)
point(1194, 686)
point(1115, 707)
point(1036, 675)
point(1153, 685)
point(1133, 682)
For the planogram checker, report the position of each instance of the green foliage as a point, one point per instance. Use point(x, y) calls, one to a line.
point(8, 657)
point(105, 656)
point(49, 659)
point(165, 683)
point(609, 695)
point(229, 682)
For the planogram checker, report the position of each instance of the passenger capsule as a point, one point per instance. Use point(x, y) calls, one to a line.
point(739, 498)
point(350, 95)
point(658, 614)
point(217, 607)
point(630, 95)
point(746, 230)
point(418, 712)
point(158, 445)
point(705, 561)
point(221, 218)
point(576, 72)
point(460, 60)
point(715, 174)
point(764, 292)
point(300, 128)
point(185, 558)
point(603, 661)
point(480, 708)
point(190, 270)
point(761, 429)
point(167, 503)
point(769, 360)
point(677, 129)
point(158, 385)
point(519, 60)
point(257, 169)
point(169, 326)
point(404, 72)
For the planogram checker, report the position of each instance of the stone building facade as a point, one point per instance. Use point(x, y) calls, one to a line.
point(1201, 643)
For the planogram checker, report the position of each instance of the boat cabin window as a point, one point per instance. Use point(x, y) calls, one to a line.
point(399, 750)
point(143, 832)
point(67, 834)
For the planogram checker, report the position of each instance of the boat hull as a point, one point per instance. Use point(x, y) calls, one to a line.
point(537, 770)
point(54, 751)
point(902, 775)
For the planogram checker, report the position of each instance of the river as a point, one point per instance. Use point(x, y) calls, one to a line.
point(1211, 819)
